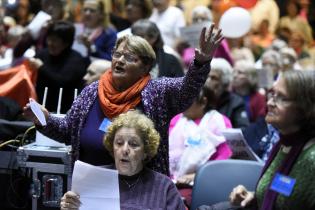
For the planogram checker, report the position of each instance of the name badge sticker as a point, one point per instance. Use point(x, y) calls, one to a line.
point(283, 184)
point(104, 125)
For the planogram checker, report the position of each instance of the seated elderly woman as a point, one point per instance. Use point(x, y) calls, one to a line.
point(95, 70)
point(228, 103)
point(132, 140)
point(128, 85)
point(245, 84)
point(287, 179)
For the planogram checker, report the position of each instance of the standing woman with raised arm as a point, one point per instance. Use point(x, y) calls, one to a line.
point(126, 86)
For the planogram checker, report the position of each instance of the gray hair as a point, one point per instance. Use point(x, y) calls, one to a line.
point(224, 68)
point(140, 47)
point(202, 10)
point(274, 55)
point(301, 88)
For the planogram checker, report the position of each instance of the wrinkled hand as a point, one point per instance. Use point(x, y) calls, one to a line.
point(35, 63)
point(70, 201)
point(208, 43)
point(240, 196)
point(28, 114)
point(186, 179)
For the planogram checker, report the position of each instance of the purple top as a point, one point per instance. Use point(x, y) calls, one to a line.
point(161, 100)
point(92, 150)
point(150, 190)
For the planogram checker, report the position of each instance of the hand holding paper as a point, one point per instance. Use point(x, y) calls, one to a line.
point(35, 112)
point(36, 109)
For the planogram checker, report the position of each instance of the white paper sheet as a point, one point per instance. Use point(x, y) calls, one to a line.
point(36, 109)
point(97, 187)
point(239, 146)
point(35, 26)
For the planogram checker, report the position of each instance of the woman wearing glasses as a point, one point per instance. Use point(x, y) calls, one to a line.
point(128, 86)
point(287, 180)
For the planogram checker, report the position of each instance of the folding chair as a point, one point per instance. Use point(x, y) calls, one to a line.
point(215, 180)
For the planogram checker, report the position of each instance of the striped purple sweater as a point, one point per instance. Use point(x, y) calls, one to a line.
point(153, 191)
point(161, 100)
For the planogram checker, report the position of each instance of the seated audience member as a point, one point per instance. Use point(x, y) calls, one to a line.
point(59, 66)
point(167, 65)
point(228, 103)
point(128, 85)
point(132, 141)
point(245, 83)
point(136, 10)
point(96, 33)
point(199, 125)
point(95, 70)
point(287, 179)
point(169, 20)
point(54, 8)
point(289, 59)
point(296, 23)
point(202, 15)
point(303, 57)
point(261, 39)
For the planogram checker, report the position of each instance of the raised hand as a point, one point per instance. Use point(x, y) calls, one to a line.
point(208, 43)
point(240, 196)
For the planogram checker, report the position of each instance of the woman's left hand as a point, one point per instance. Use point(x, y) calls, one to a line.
point(70, 201)
point(208, 42)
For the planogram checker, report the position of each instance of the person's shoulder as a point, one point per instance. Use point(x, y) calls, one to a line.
point(236, 99)
point(158, 177)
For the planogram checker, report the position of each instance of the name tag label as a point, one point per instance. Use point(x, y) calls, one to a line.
point(283, 184)
point(104, 125)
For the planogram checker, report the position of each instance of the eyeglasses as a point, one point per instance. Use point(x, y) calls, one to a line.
point(278, 99)
point(130, 58)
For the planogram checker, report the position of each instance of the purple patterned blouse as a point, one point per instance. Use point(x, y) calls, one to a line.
point(161, 100)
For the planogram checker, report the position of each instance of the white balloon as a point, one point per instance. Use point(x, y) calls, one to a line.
point(235, 22)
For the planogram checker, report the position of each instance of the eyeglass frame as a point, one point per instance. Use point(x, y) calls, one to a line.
point(278, 99)
point(129, 57)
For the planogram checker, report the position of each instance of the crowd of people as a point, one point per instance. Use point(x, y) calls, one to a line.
point(101, 59)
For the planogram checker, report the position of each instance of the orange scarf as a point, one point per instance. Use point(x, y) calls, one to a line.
point(114, 102)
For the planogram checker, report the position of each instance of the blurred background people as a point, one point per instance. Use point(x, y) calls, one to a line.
point(95, 70)
point(245, 84)
point(59, 66)
point(169, 19)
point(167, 65)
point(136, 10)
point(227, 103)
point(95, 32)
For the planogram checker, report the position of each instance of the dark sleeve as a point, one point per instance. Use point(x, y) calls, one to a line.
point(73, 69)
point(104, 44)
point(25, 43)
point(180, 92)
point(239, 117)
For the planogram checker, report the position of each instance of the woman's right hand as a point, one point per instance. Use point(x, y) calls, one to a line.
point(70, 201)
point(240, 196)
point(28, 114)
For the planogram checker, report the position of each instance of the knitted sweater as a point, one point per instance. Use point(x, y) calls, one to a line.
point(161, 100)
point(150, 190)
point(303, 194)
